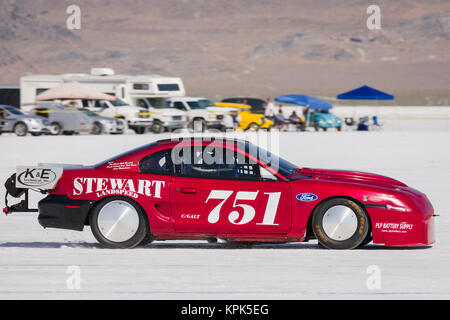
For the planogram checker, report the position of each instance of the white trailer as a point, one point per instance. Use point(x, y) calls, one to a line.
point(131, 89)
point(125, 87)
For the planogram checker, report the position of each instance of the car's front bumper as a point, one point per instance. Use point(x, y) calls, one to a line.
point(174, 124)
point(139, 122)
point(394, 228)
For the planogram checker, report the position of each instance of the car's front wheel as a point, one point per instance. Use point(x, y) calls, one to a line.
point(20, 129)
point(340, 223)
point(119, 223)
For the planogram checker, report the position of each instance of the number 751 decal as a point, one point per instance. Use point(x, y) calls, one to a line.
point(249, 211)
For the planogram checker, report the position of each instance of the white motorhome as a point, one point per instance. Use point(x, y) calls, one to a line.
point(127, 88)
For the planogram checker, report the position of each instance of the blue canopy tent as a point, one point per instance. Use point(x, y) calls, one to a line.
point(304, 101)
point(365, 93)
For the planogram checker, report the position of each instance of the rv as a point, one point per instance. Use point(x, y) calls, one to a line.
point(127, 88)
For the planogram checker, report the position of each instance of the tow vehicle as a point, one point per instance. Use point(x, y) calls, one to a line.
point(205, 189)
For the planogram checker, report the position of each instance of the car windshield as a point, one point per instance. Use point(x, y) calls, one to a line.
point(14, 110)
point(157, 103)
point(282, 166)
point(200, 104)
point(119, 103)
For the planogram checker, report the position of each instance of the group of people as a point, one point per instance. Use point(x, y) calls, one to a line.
point(281, 122)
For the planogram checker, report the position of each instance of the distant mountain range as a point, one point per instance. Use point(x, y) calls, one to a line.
point(239, 47)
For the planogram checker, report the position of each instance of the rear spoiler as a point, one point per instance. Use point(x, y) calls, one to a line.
point(39, 178)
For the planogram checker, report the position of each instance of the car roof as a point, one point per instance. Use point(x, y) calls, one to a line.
point(187, 98)
point(233, 105)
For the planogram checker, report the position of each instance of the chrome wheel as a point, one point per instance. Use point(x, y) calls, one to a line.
point(20, 129)
point(118, 221)
point(340, 223)
point(55, 129)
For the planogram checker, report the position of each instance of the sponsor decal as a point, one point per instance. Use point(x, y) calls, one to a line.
point(121, 165)
point(37, 177)
point(306, 197)
point(126, 187)
point(190, 216)
point(402, 227)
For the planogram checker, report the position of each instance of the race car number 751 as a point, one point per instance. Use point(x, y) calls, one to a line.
point(249, 211)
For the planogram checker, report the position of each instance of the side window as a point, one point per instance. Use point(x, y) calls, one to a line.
point(141, 103)
point(42, 112)
point(216, 163)
point(157, 163)
point(179, 105)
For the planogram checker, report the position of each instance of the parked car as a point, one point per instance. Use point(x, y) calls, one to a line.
point(322, 119)
point(248, 120)
point(164, 117)
point(206, 189)
point(105, 124)
point(138, 119)
point(258, 105)
point(14, 120)
point(64, 120)
point(203, 113)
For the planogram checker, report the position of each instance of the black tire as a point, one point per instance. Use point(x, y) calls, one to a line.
point(143, 229)
point(367, 240)
point(20, 129)
point(97, 128)
point(139, 130)
point(157, 127)
point(355, 240)
point(147, 239)
point(55, 129)
point(316, 126)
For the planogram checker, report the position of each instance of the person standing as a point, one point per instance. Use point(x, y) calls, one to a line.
point(269, 112)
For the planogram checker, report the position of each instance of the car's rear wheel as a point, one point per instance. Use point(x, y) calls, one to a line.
point(340, 223)
point(55, 129)
point(119, 223)
point(20, 129)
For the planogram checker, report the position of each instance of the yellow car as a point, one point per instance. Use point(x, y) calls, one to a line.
point(249, 121)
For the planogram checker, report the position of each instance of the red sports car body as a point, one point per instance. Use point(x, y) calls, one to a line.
point(230, 190)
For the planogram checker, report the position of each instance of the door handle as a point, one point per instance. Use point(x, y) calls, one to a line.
point(188, 190)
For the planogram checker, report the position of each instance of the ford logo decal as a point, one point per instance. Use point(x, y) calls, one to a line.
point(307, 197)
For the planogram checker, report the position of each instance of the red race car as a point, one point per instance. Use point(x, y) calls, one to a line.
point(209, 189)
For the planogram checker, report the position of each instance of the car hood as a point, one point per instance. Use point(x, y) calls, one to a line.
point(350, 176)
point(26, 116)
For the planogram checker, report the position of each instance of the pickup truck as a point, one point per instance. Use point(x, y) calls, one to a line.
point(138, 119)
point(204, 114)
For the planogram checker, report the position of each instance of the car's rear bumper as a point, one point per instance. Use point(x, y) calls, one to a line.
point(61, 212)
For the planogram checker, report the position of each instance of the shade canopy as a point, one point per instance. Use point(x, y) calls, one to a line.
point(73, 91)
point(304, 101)
point(365, 93)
